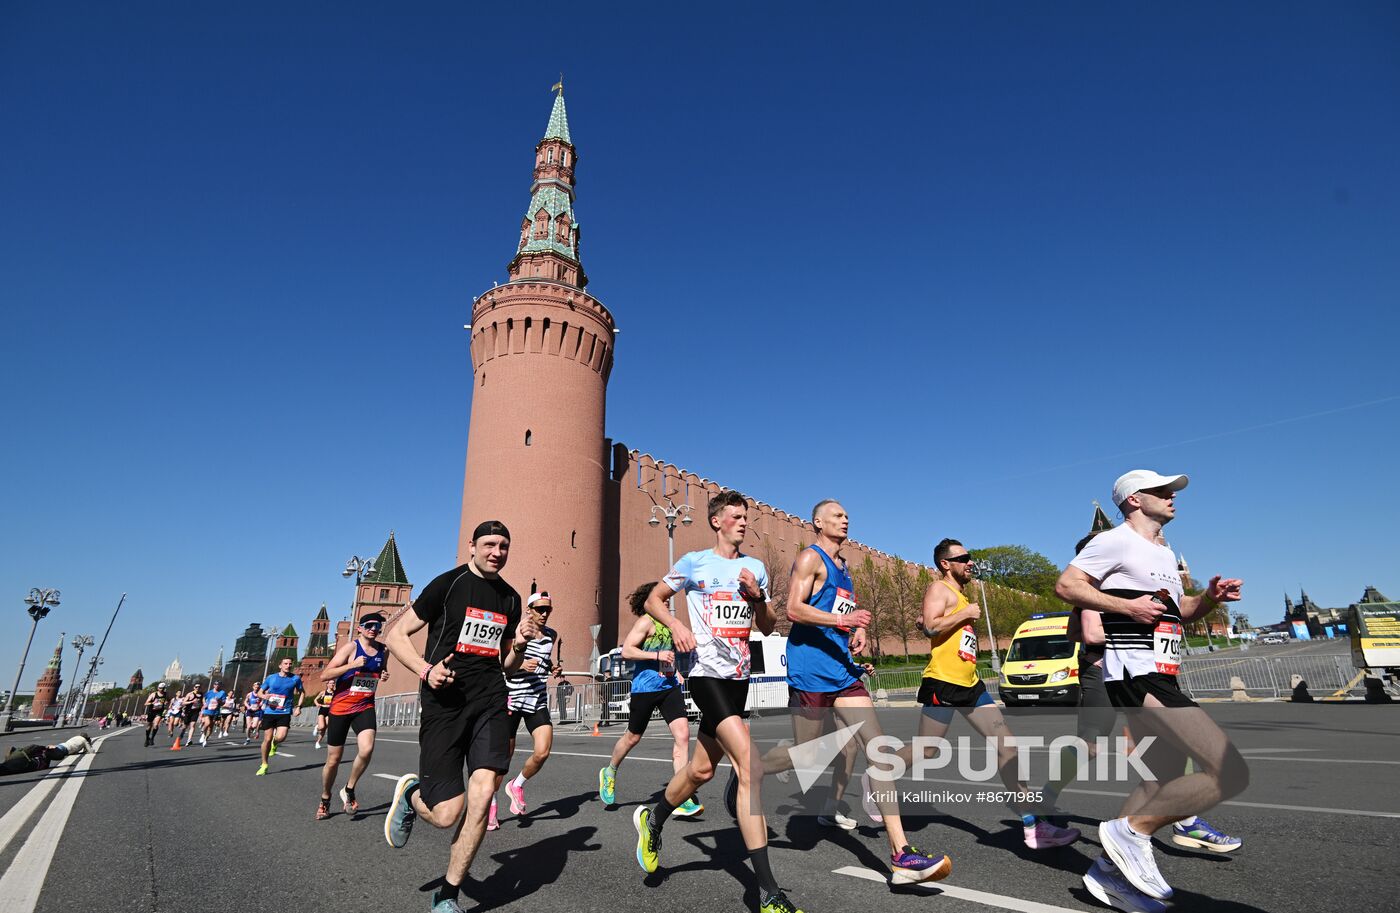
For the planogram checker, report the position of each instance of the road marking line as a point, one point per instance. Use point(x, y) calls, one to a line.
point(22, 882)
point(1320, 760)
point(283, 754)
point(1362, 813)
point(17, 817)
point(992, 900)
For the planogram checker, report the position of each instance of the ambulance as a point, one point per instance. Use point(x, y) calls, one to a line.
point(1042, 664)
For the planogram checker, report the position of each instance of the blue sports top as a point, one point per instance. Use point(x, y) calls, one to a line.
point(819, 657)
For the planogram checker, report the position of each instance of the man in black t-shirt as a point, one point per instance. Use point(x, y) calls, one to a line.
point(475, 637)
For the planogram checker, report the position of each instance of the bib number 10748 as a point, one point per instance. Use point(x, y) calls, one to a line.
point(481, 633)
point(731, 616)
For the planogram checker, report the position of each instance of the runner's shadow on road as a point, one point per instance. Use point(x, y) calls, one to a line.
point(1181, 900)
point(804, 833)
point(522, 872)
point(559, 809)
point(1010, 839)
point(728, 855)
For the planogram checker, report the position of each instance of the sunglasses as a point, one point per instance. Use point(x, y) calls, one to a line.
point(959, 559)
point(373, 626)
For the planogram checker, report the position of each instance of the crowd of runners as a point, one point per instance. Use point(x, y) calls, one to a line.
point(489, 656)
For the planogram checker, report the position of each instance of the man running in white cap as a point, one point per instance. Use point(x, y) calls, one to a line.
point(1126, 574)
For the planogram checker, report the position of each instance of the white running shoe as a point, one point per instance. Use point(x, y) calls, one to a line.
point(836, 819)
point(1105, 881)
point(1132, 853)
point(867, 799)
point(203, 742)
point(784, 775)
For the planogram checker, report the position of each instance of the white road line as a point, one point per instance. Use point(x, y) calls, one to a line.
point(999, 901)
point(1253, 758)
point(18, 816)
point(22, 882)
point(283, 754)
point(1358, 812)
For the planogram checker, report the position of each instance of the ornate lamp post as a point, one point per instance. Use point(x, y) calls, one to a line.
point(40, 602)
point(670, 514)
point(359, 568)
point(80, 643)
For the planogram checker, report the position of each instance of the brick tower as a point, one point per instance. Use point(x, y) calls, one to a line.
point(46, 689)
point(541, 351)
point(318, 649)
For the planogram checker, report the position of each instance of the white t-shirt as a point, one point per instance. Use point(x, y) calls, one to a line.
point(720, 617)
point(1126, 564)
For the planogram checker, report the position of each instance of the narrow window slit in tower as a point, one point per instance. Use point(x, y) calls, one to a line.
point(528, 436)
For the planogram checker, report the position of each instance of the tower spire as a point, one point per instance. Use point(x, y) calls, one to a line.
point(549, 233)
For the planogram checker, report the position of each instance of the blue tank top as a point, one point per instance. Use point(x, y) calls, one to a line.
point(819, 657)
point(373, 663)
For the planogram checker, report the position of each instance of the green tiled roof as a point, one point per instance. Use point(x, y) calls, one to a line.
point(558, 121)
point(554, 200)
point(1101, 521)
point(290, 632)
point(387, 567)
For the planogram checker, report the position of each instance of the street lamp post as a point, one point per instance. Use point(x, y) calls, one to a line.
point(987, 617)
point(97, 660)
point(40, 603)
point(97, 657)
point(359, 568)
point(670, 513)
point(269, 635)
point(80, 643)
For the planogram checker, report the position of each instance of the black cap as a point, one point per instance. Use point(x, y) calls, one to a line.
point(371, 616)
point(490, 528)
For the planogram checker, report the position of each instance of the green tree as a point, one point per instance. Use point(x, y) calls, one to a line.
point(908, 600)
point(1017, 567)
point(873, 590)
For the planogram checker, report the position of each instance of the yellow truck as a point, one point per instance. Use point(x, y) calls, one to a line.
point(1042, 664)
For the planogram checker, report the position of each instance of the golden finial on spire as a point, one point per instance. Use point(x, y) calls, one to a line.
point(558, 86)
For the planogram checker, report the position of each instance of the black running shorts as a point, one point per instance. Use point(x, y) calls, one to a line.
point(340, 725)
point(718, 700)
point(643, 703)
point(1096, 711)
point(275, 721)
point(1133, 691)
point(533, 719)
point(477, 736)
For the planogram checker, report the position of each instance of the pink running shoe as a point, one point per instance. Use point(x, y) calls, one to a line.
point(491, 823)
point(1044, 835)
point(517, 798)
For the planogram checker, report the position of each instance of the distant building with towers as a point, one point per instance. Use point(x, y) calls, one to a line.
point(138, 681)
point(46, 689)
point(174, 672)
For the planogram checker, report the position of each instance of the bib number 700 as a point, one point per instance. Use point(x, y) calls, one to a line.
point(1166, 647)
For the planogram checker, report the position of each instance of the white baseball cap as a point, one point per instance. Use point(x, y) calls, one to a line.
point(1136, 480)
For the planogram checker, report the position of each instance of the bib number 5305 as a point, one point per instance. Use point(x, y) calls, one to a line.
point(481, 633)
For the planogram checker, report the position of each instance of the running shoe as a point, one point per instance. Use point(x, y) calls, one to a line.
point(731, 794)
point(272, 753)
point(867, 799)
point(347, 797)
point(607, 785)
point(447, 905)
point(688, 809)
point(1043, 835)
point(836, 819)
point(517, 798)
point(492, 823)
point(648, 841)
point(203, 742)
point(911, 866)
point(784, 775)
point(778, 903)
point(398, 823)
point(323, 809)
point(317, 746)
point(1201, 836)
point(1132, 853)
point(262, 771)
point(1105, 881)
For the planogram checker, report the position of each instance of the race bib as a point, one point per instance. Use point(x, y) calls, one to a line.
point(364, 684)
point(731, 616)
point(481, 633)
point(967, 645)
point(213, 704)
point(1166, 647)
point(845, 602)
point(277, 701)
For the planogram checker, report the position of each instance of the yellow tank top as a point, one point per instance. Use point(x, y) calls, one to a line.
point(953, 656)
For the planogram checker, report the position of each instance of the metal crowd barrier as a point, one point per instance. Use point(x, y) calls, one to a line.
point(1266, 677)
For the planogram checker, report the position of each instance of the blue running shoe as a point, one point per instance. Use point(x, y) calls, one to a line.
point(1201, 836)
point(398, 823)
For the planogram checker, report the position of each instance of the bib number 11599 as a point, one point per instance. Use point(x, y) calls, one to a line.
point(481, 633)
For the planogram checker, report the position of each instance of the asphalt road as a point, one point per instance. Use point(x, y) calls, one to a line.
point(154, 830)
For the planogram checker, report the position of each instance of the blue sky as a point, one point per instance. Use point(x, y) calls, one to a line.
point(965, 264)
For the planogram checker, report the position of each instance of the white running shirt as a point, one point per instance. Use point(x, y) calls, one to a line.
point(1121, 559)
point(720, 617)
